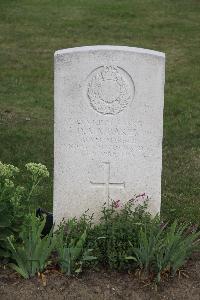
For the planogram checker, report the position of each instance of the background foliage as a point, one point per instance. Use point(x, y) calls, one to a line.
point(30, 32)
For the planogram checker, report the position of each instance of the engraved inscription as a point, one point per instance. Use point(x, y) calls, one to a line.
point(93, 136)
point(110, 89)
point(108, 183)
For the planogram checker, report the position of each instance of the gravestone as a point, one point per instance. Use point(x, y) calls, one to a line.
point(108, 127)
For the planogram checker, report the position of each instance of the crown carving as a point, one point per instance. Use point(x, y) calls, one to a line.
point(109, 73)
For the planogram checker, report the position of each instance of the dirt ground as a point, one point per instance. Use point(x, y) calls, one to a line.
point(101, 285)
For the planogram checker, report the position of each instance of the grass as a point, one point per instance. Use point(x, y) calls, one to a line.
point(30, 32)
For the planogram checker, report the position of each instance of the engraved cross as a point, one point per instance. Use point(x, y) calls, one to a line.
point(108, 183)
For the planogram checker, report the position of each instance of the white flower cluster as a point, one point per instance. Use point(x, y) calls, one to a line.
point(17, 196)
point(8, 171)
point(9, 184)
point(37, 170)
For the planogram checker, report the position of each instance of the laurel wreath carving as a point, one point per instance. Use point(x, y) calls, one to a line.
point(109, 103)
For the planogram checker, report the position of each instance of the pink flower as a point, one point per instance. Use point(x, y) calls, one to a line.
point(140, 195)
point(117, 204)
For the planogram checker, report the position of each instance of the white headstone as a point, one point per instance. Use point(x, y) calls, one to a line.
point(108, 127)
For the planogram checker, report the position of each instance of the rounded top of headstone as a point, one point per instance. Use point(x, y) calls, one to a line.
point(111, 48)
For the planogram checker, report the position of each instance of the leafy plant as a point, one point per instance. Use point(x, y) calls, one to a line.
point(72, 252)
point(118, 226)
point(33, 254)
point(149, 243)
point(163, 249)
point(14, 200)
point(177, 246)
point(37, 172)
point(5, 229)
point(11, 214)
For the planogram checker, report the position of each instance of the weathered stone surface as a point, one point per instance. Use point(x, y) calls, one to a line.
point(108, 127)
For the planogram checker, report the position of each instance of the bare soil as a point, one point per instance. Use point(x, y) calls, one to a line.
point(101, 285)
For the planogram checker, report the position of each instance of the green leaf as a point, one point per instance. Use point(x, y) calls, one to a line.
point(131, 258)
point(5, 221)
point(32, 256)
point(19, 270)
